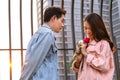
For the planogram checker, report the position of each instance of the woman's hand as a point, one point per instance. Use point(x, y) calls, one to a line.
point(78, 51)
point(74, 64)
point(83, 49)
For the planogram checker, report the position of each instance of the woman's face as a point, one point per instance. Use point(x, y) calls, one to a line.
point(87, 30)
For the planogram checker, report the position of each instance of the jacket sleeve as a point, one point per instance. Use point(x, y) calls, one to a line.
point(100, 57)
point(38, 52)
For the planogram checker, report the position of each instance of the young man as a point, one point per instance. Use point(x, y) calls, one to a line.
point(41, 56)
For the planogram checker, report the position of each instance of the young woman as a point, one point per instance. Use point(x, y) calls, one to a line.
point(98, 63)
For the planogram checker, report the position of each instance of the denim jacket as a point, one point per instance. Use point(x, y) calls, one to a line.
point(41, 56)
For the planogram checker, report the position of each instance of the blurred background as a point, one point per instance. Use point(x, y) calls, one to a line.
point(19, 19)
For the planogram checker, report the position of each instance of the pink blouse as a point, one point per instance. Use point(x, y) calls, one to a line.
point(99, 63)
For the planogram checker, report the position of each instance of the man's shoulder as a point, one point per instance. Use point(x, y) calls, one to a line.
point(45, 29)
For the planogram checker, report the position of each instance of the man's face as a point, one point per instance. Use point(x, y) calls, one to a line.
point(58, 23)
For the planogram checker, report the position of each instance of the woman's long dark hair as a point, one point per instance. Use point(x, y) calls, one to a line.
point(98, 28)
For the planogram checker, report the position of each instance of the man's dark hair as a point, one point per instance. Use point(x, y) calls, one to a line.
point(53, 11)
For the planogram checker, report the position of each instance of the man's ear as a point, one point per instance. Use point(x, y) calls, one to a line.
point(53, 18)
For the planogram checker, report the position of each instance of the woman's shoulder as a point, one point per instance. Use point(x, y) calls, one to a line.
point(99, 46)
point(102, 43)
point(95, 43)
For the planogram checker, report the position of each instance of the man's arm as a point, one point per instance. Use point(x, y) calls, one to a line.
point(38, 52)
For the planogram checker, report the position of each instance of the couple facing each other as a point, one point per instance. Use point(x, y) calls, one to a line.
point(41, 55)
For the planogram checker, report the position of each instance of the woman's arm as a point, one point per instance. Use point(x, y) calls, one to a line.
point(99, 59)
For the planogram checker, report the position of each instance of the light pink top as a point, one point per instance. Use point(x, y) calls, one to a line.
point(99, 63)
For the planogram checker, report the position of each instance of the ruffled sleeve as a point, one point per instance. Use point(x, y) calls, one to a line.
point(99, 56)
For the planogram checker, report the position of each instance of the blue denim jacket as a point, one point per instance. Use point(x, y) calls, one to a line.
point(41, 56)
